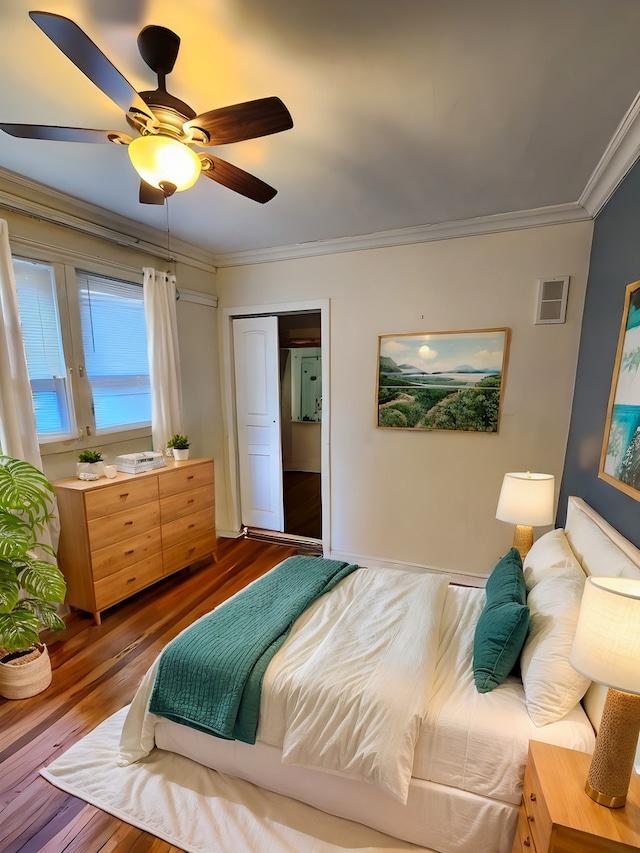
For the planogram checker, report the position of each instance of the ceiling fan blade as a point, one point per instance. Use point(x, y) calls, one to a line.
point(243, 121)
point(58, 134)
point(236, 179)
point(87, 56)
point(151, 195)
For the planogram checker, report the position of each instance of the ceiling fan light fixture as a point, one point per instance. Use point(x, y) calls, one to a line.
point(161, 159)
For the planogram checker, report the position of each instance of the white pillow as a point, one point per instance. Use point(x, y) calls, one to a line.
point(555, 582)
point(552, 551)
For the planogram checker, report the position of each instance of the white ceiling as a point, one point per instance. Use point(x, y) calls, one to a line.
point(406, 112)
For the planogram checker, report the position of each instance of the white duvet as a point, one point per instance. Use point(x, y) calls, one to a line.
point(349, 689)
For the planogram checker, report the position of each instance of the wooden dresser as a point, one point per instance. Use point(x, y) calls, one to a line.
point(119, 536)
point(557, 816)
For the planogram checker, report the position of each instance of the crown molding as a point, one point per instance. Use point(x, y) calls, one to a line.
point(553, 215)
point(23, 195)
point(619, 157)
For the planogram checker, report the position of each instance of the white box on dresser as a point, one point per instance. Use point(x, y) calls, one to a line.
point(120, 535)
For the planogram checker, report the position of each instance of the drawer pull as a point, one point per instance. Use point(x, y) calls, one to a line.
point(191, 526)
point(532, 797)
point(526, 842)
point(191, 550)
point(190, 477)
point(530, 818)
point(190, 501)
point(127, 553)
point(131, 580)
point(125, 495)
point(128, 523)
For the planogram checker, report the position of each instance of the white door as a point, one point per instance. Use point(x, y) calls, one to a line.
point(256, 356)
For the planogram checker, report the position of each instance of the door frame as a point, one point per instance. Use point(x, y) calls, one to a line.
point(229, 407)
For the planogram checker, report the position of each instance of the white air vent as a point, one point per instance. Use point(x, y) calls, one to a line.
point(552, 300)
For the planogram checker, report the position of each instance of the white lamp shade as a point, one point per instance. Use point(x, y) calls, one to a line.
point(526, 499)
point(158, 158)
point(606, 647)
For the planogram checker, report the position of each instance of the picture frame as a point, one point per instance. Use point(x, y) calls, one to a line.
point(620, 455)
point(442, 380)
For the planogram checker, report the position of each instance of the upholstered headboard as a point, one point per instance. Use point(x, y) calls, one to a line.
point(602, 552)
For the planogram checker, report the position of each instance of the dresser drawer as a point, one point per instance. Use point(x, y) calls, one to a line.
point(122, 525)
point(188, 527)
point(182, 479)
point(536, 811)
point(120, 495)
point(188, 552)
point(523, 842)
point(113, 558)
point(122, 584)
point(186, 503)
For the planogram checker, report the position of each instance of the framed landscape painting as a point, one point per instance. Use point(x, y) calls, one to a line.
point(620, 457)
point(442, 380)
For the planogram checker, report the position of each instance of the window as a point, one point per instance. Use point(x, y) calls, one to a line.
point(86, 346)
point(114, 339)
point(43, 344)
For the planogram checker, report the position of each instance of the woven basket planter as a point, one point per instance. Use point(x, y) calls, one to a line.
point(26, 675)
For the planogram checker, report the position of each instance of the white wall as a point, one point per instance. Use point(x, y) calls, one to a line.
point(429, 498)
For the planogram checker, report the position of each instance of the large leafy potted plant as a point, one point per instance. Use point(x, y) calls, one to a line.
point(30, 584)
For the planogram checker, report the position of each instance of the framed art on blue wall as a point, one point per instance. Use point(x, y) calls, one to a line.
point(441, 380)
point(620, 457)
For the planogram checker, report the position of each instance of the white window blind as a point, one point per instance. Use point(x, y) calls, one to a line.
point(114, 339)
point(40, 323)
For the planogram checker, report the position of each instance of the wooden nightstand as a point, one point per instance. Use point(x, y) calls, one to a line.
point(557, 816)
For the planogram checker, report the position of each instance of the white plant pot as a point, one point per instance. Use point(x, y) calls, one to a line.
point(95, 469)
point(180, 455)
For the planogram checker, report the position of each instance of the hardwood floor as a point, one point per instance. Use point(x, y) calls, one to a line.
point(302, 504)
point(96, 670)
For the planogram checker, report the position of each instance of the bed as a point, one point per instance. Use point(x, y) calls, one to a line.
point(465, 750)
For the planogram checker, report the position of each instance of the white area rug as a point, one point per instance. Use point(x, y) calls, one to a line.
point(201, 810)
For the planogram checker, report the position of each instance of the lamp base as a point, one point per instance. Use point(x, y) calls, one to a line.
point(612, 762)
point(605, 800)
point(523, 539)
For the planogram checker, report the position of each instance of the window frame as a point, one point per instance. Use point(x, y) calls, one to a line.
point(81, 414)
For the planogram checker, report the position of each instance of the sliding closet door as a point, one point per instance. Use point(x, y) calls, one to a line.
point(256, 354)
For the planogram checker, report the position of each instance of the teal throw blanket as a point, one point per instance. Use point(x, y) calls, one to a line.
point(210, 676)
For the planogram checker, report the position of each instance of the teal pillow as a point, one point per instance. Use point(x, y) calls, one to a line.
point(503, 624)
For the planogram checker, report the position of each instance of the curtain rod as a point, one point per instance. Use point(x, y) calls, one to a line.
point(103, 233)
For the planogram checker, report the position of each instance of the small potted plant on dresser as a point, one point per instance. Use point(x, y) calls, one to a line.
point(179, 444)
point(30, 586)
point(90, 465)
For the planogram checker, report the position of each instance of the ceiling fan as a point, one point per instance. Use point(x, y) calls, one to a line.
point(168, 128)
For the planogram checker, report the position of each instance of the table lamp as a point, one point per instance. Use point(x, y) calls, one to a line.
point(606, 649)
point(526, 500)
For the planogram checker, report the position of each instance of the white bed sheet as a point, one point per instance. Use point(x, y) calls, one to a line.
point(474, 741)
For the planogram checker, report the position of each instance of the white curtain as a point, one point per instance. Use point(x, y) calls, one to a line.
point(164, 356)
point(18, 433)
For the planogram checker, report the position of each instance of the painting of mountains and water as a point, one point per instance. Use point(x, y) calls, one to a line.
point(442, 380)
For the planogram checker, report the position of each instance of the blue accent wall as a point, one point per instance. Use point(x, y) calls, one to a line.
point(615, 263)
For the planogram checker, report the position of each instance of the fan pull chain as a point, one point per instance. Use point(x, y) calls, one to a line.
point(166, 205)
point(169, 259)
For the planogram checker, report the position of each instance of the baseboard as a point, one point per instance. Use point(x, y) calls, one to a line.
point(376, 563)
